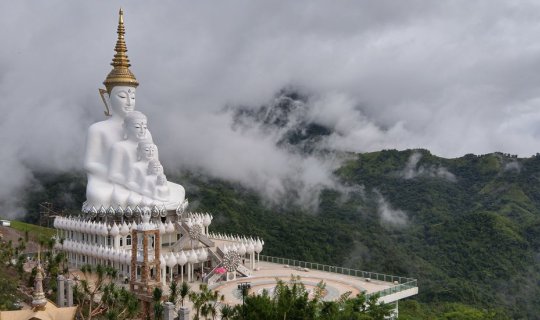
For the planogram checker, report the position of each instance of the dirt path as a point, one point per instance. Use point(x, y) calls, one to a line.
point(14, 235)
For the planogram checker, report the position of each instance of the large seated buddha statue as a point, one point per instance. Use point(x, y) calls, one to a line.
point(112, 146)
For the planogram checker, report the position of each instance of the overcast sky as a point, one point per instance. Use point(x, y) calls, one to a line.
point(454, 77)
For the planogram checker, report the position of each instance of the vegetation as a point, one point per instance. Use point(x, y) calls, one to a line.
point(157, 294)
point(178, 294)
point(8, 292)
point(470, 227)
point(292, 301)
point(100, 296)
point(8, 277)
point(33, 232)
point(205, 302)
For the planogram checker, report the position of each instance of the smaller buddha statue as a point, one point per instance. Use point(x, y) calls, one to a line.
point(123, 156)
point(155, 169)
point(161, 191)
point(146, 151)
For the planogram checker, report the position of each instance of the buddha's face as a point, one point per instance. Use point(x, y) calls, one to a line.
point(122, 100)
point(161, 179)
point(136, 129)
point(147, 151)
point(155, 168)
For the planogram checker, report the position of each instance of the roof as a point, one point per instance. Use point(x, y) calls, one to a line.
point(49, 312)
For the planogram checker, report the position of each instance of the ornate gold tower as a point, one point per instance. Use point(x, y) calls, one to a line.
point(120, 74)
point(145, 262)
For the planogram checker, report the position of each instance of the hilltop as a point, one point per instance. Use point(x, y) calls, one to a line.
point(467, 228)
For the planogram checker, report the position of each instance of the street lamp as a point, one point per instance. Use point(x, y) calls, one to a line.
point(244, 288)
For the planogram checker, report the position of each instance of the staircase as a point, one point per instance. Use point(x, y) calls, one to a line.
point(243, 271)
point(212, 277)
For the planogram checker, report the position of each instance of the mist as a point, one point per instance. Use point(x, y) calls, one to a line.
point(451, 77)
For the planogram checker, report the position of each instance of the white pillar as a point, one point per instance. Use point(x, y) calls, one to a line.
point(182, 272)
point(164, 276)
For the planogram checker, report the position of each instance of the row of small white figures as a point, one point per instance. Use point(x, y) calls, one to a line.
point(104, 229)
point(101, 228)
point(249, 246)
point(170, 259)
point(202, 219)
point(128, 210)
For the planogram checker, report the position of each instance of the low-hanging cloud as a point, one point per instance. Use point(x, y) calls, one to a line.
point(512, 166)
point(413, 170)
point(451, 77)
point(389, 216)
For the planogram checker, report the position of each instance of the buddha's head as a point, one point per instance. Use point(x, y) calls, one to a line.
point(120, 81)
point(146, 151)
point(161, 180)
point(122, 100)
point(135, 128)
point(155, 167)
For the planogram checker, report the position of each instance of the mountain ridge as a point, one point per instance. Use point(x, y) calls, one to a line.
point(473, 239)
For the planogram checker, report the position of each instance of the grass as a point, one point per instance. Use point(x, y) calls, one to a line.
point(35, 232)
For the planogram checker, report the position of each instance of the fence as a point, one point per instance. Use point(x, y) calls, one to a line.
point(400, 283)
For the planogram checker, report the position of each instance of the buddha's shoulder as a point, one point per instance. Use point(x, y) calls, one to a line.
point(104, 127)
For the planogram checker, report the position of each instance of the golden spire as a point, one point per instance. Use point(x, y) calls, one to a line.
point(120, 75)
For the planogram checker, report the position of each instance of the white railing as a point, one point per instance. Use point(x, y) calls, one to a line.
point(400, 283)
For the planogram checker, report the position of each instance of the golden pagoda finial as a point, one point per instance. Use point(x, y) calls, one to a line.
point(120, 75)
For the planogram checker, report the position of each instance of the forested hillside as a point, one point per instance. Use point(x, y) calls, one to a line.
point(467, 228)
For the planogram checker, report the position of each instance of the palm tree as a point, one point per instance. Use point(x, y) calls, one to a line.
point(197, 298)
point(226, 312)
point(174, 290)
point(184, 291)
point(206, 302)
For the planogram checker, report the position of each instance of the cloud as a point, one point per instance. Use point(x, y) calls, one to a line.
point(390, 216)
point(451, 77)
point(412, 170)
point(512, 166)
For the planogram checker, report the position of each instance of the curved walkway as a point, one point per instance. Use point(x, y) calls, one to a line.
point(266, 279)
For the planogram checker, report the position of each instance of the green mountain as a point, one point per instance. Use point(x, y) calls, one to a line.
point(467, 228)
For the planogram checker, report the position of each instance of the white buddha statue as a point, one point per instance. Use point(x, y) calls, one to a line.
point(120, 148)
point(119, 99)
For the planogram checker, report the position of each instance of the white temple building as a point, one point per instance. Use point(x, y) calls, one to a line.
point(137, 221)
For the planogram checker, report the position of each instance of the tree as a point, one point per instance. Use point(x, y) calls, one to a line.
point(120, 303)
point(158, 307)
point(184, 292)
point(291, 301)
point(205, 302)
point(226, 312)
point(8, 291)
point(174, 290)
point(86, 292)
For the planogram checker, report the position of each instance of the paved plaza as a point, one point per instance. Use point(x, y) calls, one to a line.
point(268, 273)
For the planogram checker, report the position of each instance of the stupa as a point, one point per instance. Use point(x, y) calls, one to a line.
point(138, 222)
point(41, 308)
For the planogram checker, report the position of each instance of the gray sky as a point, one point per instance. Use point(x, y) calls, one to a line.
point(453, 77)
